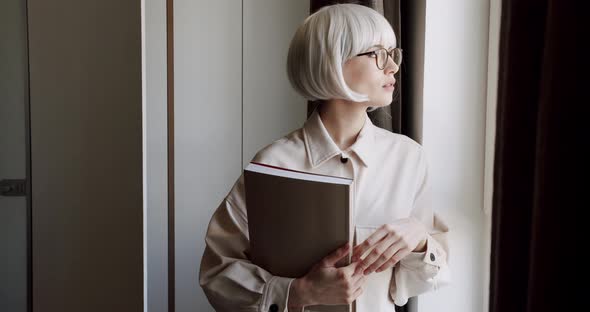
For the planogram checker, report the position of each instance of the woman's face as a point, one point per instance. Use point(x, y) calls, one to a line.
point(363, 76)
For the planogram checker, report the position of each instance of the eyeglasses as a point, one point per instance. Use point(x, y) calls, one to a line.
point(382, 54)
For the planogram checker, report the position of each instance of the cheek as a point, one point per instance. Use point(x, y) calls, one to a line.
point(360, 78)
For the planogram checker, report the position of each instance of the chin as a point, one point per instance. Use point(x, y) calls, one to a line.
point(384, 102)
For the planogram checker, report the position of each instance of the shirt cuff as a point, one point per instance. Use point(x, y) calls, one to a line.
point(276, 294)
point(434, 256)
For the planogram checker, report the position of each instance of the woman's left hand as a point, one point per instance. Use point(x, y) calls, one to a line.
point(391, 242)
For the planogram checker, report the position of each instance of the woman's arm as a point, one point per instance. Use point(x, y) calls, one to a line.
point(229, 279)
point(421, 272)
point(415, 246)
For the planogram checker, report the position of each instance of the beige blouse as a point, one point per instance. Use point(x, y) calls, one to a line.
point(391, 182)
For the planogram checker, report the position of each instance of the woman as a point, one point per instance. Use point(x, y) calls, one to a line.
point(343, 56)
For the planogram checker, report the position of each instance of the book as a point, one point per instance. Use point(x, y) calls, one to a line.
point(297, 218)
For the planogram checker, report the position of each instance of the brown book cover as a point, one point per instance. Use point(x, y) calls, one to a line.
point(295, 219)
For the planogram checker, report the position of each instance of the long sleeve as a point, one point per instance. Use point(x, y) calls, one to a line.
point(229, 279)
point(421, 272)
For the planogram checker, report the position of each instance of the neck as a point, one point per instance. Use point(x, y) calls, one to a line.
point(343, 120)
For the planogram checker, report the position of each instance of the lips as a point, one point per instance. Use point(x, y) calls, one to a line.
point(389, 84)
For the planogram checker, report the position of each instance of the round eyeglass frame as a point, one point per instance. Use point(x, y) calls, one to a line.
point(390, 54)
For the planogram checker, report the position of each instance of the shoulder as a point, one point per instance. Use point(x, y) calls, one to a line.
point(398, 142)
point(282, 151)
point(396, 151)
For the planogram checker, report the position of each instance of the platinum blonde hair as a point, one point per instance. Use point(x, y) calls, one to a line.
point(325, 41)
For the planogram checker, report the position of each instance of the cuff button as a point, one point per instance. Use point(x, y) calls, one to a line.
point(274, 308)
point(432, 257)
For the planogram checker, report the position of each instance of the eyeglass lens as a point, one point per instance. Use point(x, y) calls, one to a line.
point(382, 57)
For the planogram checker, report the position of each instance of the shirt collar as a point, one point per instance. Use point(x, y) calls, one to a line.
point(320, 146)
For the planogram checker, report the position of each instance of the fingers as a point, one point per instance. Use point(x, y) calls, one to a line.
point(355, 276)
point(394, 259)
point(349, 273)
point(368, 243)
point(378, 254)
point(390, 256)
point(381, 259)
point(331, 259)
point(352, 284)
point(350, 270)
point(359, 281)
point(355, 295)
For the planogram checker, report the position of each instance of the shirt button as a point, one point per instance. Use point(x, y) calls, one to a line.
point(432, 257)
point(274, 308)
point(343, 159)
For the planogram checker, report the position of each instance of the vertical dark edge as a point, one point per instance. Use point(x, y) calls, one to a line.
point(498, 194)
point(29, 195)
point(406, 109)
point(242, 92)
point(391, 11)
point(170, 106)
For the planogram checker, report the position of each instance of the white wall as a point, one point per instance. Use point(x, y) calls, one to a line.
point(208, 129)
point(155, 156)
point(228, 105)
point(271, 107)
point(454, 135)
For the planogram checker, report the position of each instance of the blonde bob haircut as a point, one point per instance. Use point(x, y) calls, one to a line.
point(325, 41)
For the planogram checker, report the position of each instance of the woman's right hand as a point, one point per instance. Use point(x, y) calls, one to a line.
point(326, 284)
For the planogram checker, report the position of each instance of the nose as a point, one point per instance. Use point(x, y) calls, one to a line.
point(391, 67)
